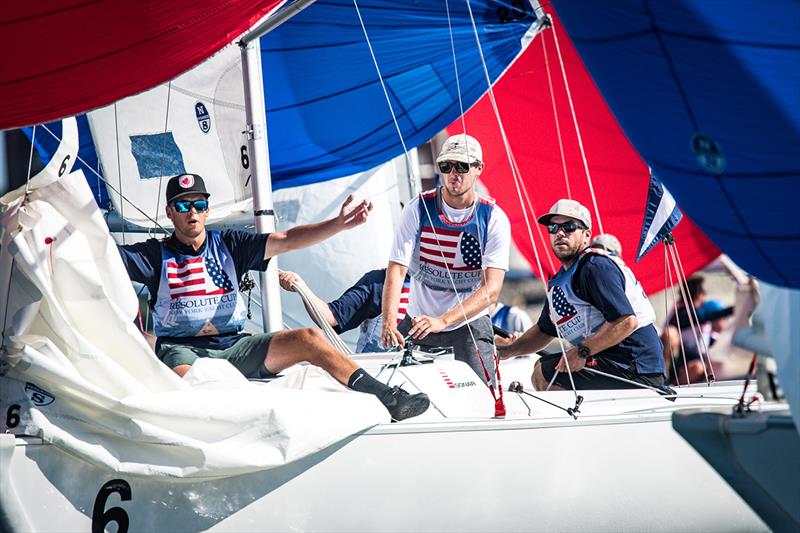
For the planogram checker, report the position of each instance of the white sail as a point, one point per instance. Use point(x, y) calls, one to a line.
point(83, 378)
point(195, 124)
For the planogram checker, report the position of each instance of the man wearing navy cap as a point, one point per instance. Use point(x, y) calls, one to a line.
point(193, 277)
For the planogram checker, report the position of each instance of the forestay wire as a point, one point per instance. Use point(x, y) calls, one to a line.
point(430, 219)
point(577, 131)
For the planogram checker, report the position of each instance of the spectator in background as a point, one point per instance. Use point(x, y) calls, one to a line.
point(711, 317)
point(607, 242)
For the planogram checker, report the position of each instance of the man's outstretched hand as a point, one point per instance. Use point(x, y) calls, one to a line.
point(351, 216)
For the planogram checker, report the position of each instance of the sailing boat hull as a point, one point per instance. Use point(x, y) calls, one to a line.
point(601, 472)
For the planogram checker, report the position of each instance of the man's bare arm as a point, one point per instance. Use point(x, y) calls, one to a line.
point(609, 334)
point(531, 341)
point(474, 304)
point(309, 234)
point(390, 300)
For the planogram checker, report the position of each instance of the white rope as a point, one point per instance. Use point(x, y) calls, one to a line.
point(455, 67)
point(555, 116)
point(119, 172)
point(517, 182)
point(163, 150)
point(386, 96)
point(410, 166)
point(316, 315)
point(578, 132)
point(30, 162)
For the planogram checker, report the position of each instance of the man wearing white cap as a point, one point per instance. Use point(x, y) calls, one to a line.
point(596, 304)
point(455, 244)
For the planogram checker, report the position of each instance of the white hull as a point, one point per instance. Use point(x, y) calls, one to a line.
point(547, 472)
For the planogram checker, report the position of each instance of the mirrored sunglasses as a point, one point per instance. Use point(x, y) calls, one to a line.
point(446, 166)
point(567, 227)
point(183, 206)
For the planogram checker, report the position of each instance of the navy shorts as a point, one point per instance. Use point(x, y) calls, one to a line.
point(585, 380)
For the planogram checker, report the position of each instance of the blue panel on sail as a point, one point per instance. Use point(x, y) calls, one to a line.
point(327, 114)
point(421, 102)
point(708, 95)
point(157, 155)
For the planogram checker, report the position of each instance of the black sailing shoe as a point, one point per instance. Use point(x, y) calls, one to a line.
point(402, 405)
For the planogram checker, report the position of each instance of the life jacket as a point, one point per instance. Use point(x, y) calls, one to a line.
point(577, 319)
point(196, 289)
point(443, 245)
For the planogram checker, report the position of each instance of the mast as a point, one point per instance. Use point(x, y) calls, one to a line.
point(257, 143)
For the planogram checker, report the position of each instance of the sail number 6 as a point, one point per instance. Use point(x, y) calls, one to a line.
point(101, 518)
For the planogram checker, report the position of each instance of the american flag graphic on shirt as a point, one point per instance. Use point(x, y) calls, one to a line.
point(562, 307)
point(401, 309)
point(198, 276)
point(453, 249)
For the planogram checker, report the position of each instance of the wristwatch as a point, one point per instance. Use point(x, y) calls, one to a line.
point(583, 351)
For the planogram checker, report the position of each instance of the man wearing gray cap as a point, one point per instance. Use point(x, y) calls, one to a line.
point(455, 244)
point(193, 277)
point(594, 302)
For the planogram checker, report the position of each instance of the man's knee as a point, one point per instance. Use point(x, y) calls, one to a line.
point(537, 379)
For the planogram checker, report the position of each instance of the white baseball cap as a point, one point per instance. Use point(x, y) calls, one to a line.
point(568, 208)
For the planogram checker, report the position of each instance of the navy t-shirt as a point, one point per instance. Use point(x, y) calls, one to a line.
point(360, 302)
point(143, 263)
point(600, 282)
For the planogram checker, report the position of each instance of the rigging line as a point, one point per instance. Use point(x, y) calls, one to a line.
point(533, 216)
point(692, 317)
point(163, 150)
point(697, 321)
point(495, 357)
point(119, 171)
point(667, 290)
point(577, 131)
point(684, 286)
point(385, 92)
point(677, 320)
point(515, 176)
point(410, 166)
point(631, 382)
point(455, 67)
point(678, 323)
point(30, 162)
point(108, 184)
point(555, 116)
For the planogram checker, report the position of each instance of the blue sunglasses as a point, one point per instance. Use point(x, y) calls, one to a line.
point(183, 206)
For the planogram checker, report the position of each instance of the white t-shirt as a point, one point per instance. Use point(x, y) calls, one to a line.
point(426, 301)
